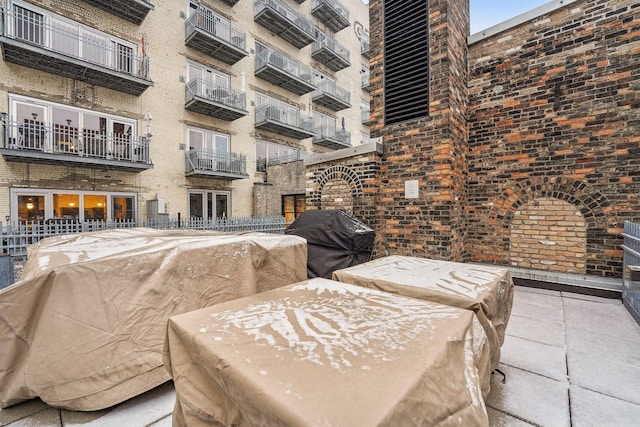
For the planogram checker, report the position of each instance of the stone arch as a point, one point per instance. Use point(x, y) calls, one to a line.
point(592, 204)
point(336, 173)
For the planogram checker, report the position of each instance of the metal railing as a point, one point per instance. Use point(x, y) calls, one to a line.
point(331, 132)
point(284, 116)
point(365, 80)
point(329, 87)
point(286, 12)
point(631, 248)
point(283, 63)
point(332, 45)
point(262, 163)
point(62, 139)
point(77, 42)
point(335, 5)
point(207, 21)
point(364, 46)
point(365, 115)
point(206, 160)
point(15, 238)
point(221, 94)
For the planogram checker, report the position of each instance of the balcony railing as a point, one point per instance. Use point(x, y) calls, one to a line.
point(284, 22)
point(36, 142)
point(262, 164)
point(205, 33)
point(330, 137)
point(331, 53)
point(332, 14)
point(365, 116)
point(282, 71)
point(30, 40)
point(225, 103)
point(365, 48)
point(227, 166)
point(273, 119)
point(332, 96)
point(365, 81)
point(131, 10)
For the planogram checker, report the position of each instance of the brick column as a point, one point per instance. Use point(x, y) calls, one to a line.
point(431, 150)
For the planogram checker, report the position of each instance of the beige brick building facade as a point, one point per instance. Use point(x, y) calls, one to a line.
point(108, 105)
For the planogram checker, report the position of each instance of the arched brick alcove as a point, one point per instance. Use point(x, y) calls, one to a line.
point(335, 185)
point(589, 202)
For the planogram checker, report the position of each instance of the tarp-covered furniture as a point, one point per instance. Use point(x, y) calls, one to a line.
point(335, 239)
point(324, 353)
point(85, 326)
point(487, 290)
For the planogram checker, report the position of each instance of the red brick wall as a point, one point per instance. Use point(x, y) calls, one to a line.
point(554, 113)
point(431, 150)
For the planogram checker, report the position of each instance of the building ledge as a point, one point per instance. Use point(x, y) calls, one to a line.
point(517, 20)
point(358, 150)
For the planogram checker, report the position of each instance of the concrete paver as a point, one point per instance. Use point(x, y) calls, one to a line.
point(570, 360)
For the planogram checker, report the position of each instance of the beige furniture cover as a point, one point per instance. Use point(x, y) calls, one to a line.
point(84, 328)
point(324, 353)
point(487, 290)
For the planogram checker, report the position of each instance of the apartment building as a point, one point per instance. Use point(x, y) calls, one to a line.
point(130, 109)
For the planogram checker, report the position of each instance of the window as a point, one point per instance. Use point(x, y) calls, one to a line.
point(292, 206)
point(406, 60)
point(211, 83)
point(210, 21)
point(40, 205)
point(209, 204)
point(323, 123)
point(278, 110)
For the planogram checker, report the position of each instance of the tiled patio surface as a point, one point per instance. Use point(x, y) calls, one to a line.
point(570, 360)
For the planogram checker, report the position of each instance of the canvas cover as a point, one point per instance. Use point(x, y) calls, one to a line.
point(335, 239)
point(487, 290)
point(324, 353)
point(85, 326)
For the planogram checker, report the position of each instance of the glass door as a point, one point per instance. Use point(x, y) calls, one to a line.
point(223, 160)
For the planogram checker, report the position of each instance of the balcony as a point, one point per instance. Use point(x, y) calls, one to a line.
point(284, 22)
point(132, 10)
point(209, 164)
point(364, 48)
point(330, 53)
point(223, 103)
point(331, 96)
point(273, 119)
point(214, 38)
point(230, 2)
point(262, 164)
point(28, 39)
point(365, 116)
point(330, 137)
point(365, 81)
point(35, 142)
point(331, 13)
point(276, 68)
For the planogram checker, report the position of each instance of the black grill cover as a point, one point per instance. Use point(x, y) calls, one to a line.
point(335, 240)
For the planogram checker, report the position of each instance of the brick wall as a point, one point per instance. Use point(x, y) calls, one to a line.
point(431, 150)
point(554, 114)
point(282, 179)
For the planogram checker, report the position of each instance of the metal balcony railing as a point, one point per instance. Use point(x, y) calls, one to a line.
point(365, 48)
point(332, 13)
point(332, 96)
point(262, 163)
point(229, 165)
point(74, 42)
point(277, 68)
point(62, 142)
point(207, 33)
point(204, 97)
point(284, 21)
point(330, 52)
point(131, 10)
point(365, 81)
point(331, 137)
point(284, 122)
point(365, 115)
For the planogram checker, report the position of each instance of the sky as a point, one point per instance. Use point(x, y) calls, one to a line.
point(486, 13)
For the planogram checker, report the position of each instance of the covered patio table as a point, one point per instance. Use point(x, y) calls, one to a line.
point(322, 352)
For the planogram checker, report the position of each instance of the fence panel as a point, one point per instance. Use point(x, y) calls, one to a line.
point(631, 272)
point(16, 237)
